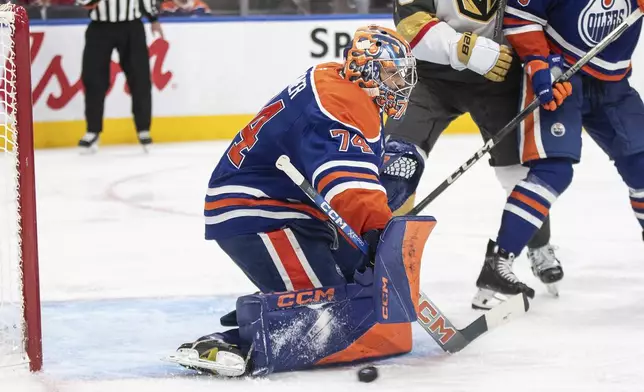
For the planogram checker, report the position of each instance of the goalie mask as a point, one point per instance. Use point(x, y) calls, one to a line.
point(380, 62)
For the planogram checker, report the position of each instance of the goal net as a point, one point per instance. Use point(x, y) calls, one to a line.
point(20, 341)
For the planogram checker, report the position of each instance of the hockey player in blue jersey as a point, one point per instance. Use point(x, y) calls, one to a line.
point(547, 34)
point(320, 300)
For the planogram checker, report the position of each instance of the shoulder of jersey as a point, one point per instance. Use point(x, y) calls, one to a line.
point(168, 5)
point(345, 102)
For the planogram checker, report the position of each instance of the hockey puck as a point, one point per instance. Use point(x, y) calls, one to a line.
point(367, 374)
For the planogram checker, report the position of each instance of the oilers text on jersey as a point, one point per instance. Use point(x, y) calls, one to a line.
point(571, 28)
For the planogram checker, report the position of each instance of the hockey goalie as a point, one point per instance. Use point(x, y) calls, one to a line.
point(320, 300)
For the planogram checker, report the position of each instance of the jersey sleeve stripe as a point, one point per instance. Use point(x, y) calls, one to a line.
point(523, 29)
point(336, 190)
point(414, 27)
point(525, 15)
point(245, 213)
point(422, 33)
point(345, 175)
point(235, 189)
point(607, 65)
point(342, 163)
point(613, 76)
point(514, 22)
point(236, 202)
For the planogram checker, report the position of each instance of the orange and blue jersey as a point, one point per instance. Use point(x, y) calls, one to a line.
point(572, 28)
point(332, 132)
point(195, 7)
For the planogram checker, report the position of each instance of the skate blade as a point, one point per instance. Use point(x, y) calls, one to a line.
point(552, 289)
point(88, 150)
point(190, 359)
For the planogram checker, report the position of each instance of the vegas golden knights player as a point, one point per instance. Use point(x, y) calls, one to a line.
point(461, 69)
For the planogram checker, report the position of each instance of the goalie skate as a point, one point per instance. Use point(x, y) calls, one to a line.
point(210, 356)
point(546, 267)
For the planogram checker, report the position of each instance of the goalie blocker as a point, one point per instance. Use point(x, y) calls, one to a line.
point(294, 330)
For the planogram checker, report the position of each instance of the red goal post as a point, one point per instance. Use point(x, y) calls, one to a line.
point(20, 324)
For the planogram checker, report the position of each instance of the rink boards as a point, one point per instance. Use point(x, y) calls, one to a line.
point(209, 76)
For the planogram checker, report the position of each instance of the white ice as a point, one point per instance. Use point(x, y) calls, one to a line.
point(126, 277)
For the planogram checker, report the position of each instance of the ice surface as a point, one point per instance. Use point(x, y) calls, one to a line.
point(126, 277)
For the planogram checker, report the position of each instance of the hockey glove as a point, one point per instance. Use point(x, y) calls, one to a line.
point(539, 70)
point(641, 4)
point(401, 172)
point(483, 56)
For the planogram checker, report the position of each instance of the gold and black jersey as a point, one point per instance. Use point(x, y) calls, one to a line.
point(414, 19)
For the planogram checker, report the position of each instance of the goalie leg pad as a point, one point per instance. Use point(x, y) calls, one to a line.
point(368, 319)
point(397, 268)
point(303, 329)
point(403, 167)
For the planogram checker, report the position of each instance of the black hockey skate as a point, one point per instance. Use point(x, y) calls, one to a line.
point(497, 280)
point(211, 354)
point(546, 267)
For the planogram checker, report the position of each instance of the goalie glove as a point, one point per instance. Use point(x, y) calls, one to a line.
point(539, 70)
point(401, 172)
point(481, 55)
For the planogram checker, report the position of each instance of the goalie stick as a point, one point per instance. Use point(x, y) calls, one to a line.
point(433, 321)
point(491, 143)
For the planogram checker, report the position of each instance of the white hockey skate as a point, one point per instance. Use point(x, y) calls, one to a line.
point(145, 140)
point(546, 267)
point(88, 144)
point(212, 356)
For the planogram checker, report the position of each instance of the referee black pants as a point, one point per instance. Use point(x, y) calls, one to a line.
point(128, 38)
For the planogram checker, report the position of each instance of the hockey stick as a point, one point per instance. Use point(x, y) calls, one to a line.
point(437, 325)
point(491, 143)
point(498, 23)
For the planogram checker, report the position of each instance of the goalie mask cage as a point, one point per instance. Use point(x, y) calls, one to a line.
point(20, 334)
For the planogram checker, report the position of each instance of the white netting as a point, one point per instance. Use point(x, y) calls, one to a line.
point(404, 167)
point(12, 351)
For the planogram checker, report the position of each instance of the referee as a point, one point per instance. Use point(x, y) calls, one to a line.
point(116, 24)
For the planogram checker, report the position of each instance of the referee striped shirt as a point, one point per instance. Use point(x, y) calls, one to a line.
point(120, 10)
